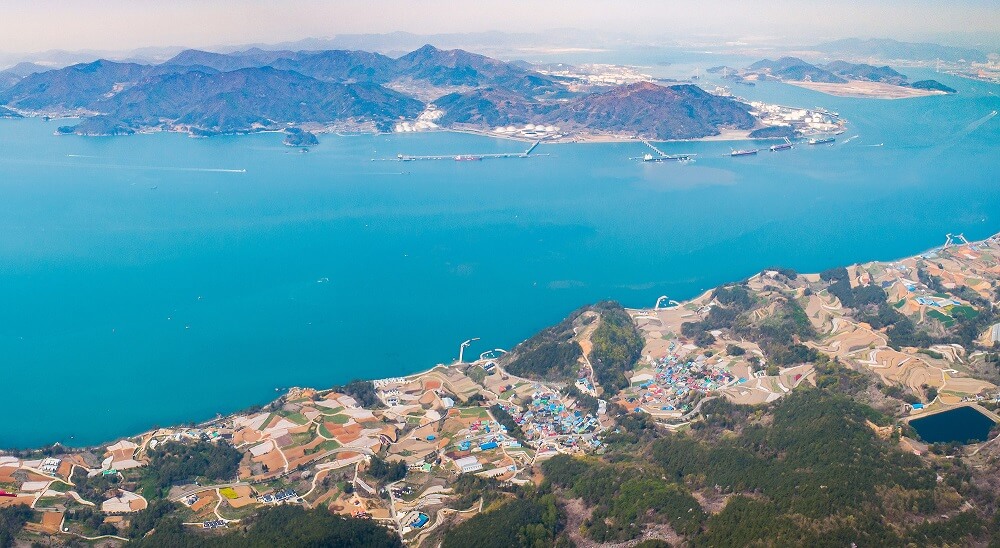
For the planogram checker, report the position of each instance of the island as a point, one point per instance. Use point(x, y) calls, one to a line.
point(784, 408)
point(298, 137)
point(844, 79)
point(204, 93)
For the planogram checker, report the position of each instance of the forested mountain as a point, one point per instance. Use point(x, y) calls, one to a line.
point(808, 470)
point(652, 111)
point(644, 109)
point(867, 72)
point(838, 72)
point(204, 93)
point(793, 68)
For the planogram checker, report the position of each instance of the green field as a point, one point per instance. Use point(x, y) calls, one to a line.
point(325, 446)
point(48, 502)
point(297, 418)
point(964, 312)
point(60, 486)
point(473, 412)
point(329, 411)
point(947, 320)
point(302, 438)
point(338, 419)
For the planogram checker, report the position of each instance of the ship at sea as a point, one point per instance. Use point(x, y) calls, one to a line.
point(821, 140)
point(782, 146)
point(744, 152)
point(668, 158)
point(468, 158)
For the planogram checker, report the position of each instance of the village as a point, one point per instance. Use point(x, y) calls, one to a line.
point(391, 450)
point(316, 448)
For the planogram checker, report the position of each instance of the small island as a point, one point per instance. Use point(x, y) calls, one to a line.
point(298, 137)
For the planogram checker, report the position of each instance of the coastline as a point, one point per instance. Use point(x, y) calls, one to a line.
point(860, 89)
point(581, 136)
point(418, 374)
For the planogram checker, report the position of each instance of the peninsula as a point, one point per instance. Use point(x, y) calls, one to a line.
point(761, 411)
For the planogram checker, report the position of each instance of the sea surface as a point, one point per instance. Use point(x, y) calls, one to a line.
point(150, 280)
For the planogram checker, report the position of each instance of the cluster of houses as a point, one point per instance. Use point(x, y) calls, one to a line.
point(547, 416)
point(279, 497)
point(673, 379)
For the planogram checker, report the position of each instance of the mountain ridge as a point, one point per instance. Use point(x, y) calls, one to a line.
point(205, 93)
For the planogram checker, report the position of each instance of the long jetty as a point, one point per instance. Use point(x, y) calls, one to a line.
point(661, 156)
point(464, 157)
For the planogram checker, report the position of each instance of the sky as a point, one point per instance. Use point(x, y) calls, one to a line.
point(38, 25)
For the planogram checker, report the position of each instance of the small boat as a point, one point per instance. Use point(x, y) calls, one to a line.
point(468, 158)
point(744, 152)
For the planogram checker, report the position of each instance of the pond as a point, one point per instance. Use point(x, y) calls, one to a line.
point(963, 425)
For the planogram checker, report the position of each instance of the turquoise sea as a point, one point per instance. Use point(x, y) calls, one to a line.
point(141, 286)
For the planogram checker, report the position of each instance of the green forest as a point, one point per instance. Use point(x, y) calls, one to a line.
point(286, 526)
point(617, 346)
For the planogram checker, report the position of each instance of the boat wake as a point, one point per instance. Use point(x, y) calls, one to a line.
point(975, 125)
point(849, 139)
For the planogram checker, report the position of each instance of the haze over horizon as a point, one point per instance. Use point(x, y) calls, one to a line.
point(121, 25)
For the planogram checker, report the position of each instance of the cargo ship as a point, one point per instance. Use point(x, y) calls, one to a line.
point(668, 158)
point(744, 152)
point(821, 140)
point(468, 158)
point(783, 146)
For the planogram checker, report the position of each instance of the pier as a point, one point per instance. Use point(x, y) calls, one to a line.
point(464, 157)
point(661, 156)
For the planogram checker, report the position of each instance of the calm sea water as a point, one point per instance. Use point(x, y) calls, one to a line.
point(962, 425)
point(140, 287)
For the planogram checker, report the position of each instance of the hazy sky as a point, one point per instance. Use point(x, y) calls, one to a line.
point(34, 25)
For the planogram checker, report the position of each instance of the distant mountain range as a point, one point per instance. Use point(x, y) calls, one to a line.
point(795, 69)
point(16, 73)
point(886, 49)
point(205, 93)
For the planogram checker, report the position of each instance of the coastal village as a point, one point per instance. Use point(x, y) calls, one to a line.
point(393, 450)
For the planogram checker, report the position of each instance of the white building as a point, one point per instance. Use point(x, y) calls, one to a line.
point(468, 464)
